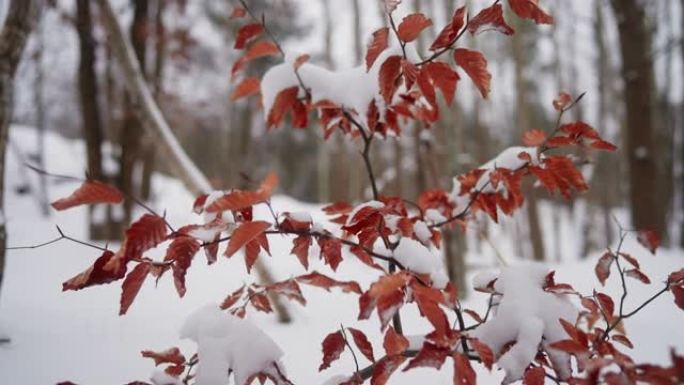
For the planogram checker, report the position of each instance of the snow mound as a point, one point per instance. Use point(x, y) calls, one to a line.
point(227, 344)
point(418, 258)
point(528, 316)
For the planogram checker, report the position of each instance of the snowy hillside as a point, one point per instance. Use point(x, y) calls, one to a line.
point(78, 336)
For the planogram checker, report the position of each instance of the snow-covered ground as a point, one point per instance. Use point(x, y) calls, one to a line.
point(78, 336)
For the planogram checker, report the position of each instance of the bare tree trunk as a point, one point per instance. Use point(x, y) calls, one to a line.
point(15, 32)
point(637, 74)
point(154, 123)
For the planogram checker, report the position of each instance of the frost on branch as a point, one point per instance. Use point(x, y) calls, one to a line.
point(527, 316)
point(227, 344)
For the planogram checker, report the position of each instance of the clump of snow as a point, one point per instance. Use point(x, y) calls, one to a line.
point(300, 216)
point(226, 216)
point(528, 316)
point(482, 280)
point(433, 215)
point(160, 377)
point(337, 380)
point(422, 232)
point(418, 258)
point(353, 89)
point(227, 344)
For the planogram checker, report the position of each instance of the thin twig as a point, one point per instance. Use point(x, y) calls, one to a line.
point(346, 341)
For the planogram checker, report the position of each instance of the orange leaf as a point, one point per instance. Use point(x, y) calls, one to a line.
point(448, 35)
point(475, 65)
point(262, 49)
point(332, 347)
point(90, 192)
point(534, 137)
point(394, 343)
point(529, 9)
point(244, 234)
point(131, 286)
point(411, 26)
point(389, 74)
point(284, 102)
point(490, 19)
point(169, 356)
point(248, 87)
point(376, 46)
point(238, 12)
point(247, 32)
point(301, 59)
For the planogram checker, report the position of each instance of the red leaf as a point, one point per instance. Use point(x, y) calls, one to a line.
point(638, 275)
point(389, 74)
point(332, 346)
point(300, 248)
point(602, 268)
point(290, 289)
point(262, 49)
point(490, 19)
point(362, 343)
point(562, 101)
point(238, 12)
point(232, 298)
point(678, 292)
point(631, 260)
point(426, 87)
point(649, 239)
point(247, 32)
point(284, 102)
point(240, 200)
point(429, 356)
point(248, 87)
point(606, 304)
point(485, 353)
point(463, 372)
point(475, 65)
point(534, 376)
point(384, 369)
point(301, 59)
point(394, 343)
point(623, 340)
point(411, 26)
point(474, 315)
point(388, 306)
point(107, 268)
point(529, 9)
point(247, 232)
point(169, 356)
point(428, 300)
point(325, 282)
point(444, 78)
point(448, 35)
point(90, 192)
point(331, 251)
point(146, 233)
point(675, 277)
point(131, 286)
point(259, 301)
point(181, 251)
point(376, 46)
point(603, 145)
point(534, 137)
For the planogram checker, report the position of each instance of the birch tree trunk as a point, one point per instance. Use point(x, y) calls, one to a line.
point(15, 32)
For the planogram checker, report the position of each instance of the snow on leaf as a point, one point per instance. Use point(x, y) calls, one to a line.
point(232, 298)
point(284, 102)
point(449, 34)
point(131, 286)
point(376, 46)
point(384, 369)
point(534, 137)
point(290, 289)
point(475, 65)
point(430, 356)
point(247, 232)
point(534, 376)
point(169, 356)
point(411, 27)
point(109, 267)
point(490, 19)
point(389, 74)
point(602, 268)
point(529, 9)
point(649, 239)
point(332, 347)
point(259, 301)
point(325, 282)
point(247, 32)
point(146, 233)
point(394, 343)
point(362, 343)
point(391, 5)
point(638, 275)
point(562, 101)
point(181, 251)
point(463, 371)
point(90, 192)
point(248, 87)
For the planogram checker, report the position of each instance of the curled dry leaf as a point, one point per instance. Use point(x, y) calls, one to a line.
point(475, 65)
point(449, 34)
point(90, 192)
point(490, 19)
point(332, 347)
point(411, 27)
point(377, 45)
point(529, 9)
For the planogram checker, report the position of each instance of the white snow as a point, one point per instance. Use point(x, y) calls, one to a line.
point(434, 216)
point(418, 258)
point(422, 232)
point(225, 344)
point(160, 377)
point(526, 314)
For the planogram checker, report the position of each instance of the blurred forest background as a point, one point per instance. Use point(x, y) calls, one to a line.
point(625, 54)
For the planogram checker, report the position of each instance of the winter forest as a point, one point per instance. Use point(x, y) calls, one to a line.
point(341, 192)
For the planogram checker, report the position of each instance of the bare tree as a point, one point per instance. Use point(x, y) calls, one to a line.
point(15, 32)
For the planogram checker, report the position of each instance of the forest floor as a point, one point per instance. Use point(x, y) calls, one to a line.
point(78, 336)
